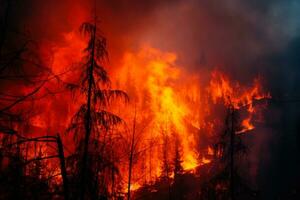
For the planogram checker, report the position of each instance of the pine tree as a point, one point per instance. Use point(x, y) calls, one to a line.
point(228, 149)
point(93, 116)
point(178, 169)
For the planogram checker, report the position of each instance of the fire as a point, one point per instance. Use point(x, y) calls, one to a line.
point(72, 53)
point(246, 123)
point(169, 100)
point(239, 97)
point(169, 127)
point(175, 101)
point(157, 74)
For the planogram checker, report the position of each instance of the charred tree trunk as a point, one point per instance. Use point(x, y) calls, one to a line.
point(113, 182)
point(129, 172)
point(63, 167)
point(131, 157)
point(166, 170)
point(88, 119)
point(232, 144)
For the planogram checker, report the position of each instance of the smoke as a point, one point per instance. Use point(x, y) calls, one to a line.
point(232, 34)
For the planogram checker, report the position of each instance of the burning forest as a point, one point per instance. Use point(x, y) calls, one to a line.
point(177, 100)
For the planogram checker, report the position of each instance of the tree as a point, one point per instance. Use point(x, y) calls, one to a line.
point(166, 168)
point(177, 162)
point(228, 149)
point(20, 66)
point(131, 154)
point(93, 117)
point(135, 150)
point(37, 177)
point(178, 186)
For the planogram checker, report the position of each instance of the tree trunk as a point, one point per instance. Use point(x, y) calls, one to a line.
point(131, 158)
point(63, 167)
point(88, 122)
point(232, 143)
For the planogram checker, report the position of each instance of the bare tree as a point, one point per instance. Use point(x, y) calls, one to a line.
point(177, 161)
point(131, 154)
point(35, 162)
point(136, 148)
point(166, 168)
point(227, 151)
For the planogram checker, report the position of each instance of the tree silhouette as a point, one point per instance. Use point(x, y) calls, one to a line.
point(177, 161)
point(93, 117)
point(227, 182)
point(134, 146)
point(178, 186)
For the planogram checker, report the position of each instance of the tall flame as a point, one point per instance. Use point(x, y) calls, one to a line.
point(154, 76)
point(167, 97)
point(175, 100)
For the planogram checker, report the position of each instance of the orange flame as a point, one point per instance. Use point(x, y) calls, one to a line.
point(167, 97)
point(233, 94)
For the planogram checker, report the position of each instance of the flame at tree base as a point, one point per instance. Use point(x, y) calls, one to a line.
point(175, 104)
